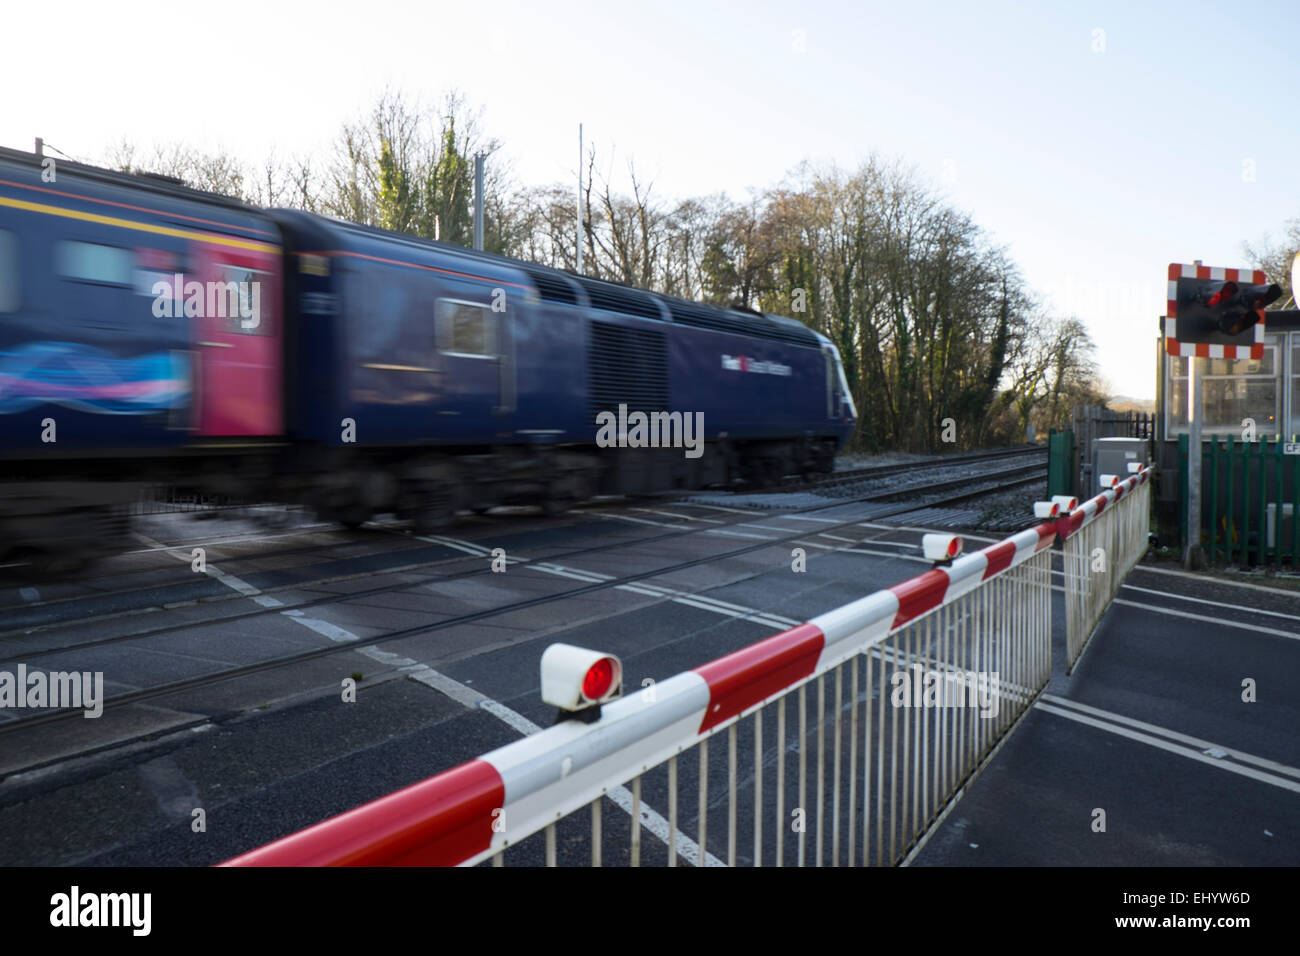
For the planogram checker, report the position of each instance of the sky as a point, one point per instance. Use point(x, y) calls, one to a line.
point(1097, 142)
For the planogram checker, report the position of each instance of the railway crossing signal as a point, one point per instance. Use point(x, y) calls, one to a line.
point(1217, 313)
point(1214, 313)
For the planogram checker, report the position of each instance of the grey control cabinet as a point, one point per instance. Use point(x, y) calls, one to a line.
point(1112, 456)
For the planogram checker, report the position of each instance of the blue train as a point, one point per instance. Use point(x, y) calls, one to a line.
point(151, 333)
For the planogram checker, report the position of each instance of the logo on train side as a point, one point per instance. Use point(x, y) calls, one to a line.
point(743, 363)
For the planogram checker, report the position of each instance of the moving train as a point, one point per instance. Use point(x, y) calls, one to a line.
point(156, 335)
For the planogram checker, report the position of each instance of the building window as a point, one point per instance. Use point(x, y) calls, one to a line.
point(1295, 384)
point(465, 328)
point(9, 290)
point(1233, 390)
point(93, 262)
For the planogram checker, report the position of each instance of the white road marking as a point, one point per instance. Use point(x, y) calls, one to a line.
point(1257, 628)
point(734, 511)
point(738, 611)
point(758, 617)
point(231, 581)
point(1173, 748)
point(674, 514)
point(468, 547)
point(1196, 742)
point(239, 539)
point(332, 631)
point(903, 527)
point(886, 554)
point(1204, 578)
point(808, 518)
point(737, 534)
point(657, 524)
point(1227, 607)
point(452, 688)
point(569, 573)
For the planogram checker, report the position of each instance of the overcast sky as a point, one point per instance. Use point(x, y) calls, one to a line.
point(1098, 141)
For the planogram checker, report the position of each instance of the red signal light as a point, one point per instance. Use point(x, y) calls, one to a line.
point(954, 547)
point(598, 679)
point(1226, 292)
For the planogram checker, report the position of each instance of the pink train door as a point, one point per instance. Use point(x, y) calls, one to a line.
point(238, 338)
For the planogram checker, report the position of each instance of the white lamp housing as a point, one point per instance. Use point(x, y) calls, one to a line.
point(941, 547)
point(575, 678)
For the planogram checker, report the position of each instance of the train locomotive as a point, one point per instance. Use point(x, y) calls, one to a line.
point(155, 335)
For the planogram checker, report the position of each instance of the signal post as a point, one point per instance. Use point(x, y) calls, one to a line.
point(1212, 313)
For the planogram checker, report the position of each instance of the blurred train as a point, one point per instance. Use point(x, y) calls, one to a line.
point(155, 335)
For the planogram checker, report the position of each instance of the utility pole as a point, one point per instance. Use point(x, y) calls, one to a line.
point(478, 199)
point(1194, 556)
point(578, 237)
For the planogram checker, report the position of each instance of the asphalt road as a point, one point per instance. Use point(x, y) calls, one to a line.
point(279, 749)
point(1152, 731)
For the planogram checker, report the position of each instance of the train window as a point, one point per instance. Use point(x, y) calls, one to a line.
point(244, 297)
point(465, 328)
point(94, 262)
point(9, 291)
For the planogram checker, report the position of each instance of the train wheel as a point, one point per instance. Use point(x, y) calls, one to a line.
point(553, 507)
point(431, 517)
point(565, 493)
point(353, 516)
point(429, 497)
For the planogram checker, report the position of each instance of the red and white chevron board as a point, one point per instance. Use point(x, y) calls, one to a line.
point(522, 787)
point(1087, 512)
point(1202, 350)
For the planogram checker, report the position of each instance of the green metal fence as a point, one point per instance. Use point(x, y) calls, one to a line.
point(1250, 501)
point(1062, 474)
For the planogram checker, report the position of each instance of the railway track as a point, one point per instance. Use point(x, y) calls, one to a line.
point(182, 592)
point(948, 491)
point(872, 472)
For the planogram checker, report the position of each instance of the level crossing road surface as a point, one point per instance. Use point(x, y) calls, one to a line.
point(275, 751)
point(1152, 731)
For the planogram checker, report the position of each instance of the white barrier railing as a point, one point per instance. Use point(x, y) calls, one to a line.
point(1103, 538)
point(937, 670)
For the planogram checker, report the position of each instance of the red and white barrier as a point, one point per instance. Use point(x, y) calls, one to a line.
point(473, 811)
point(1103, 538)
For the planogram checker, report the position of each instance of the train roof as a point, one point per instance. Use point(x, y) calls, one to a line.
point(553, 285)
point(569, 288)
point(151, 182)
